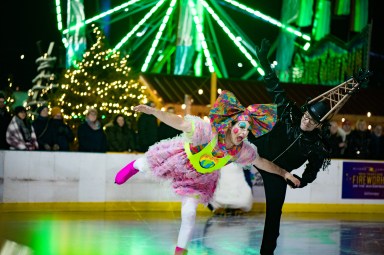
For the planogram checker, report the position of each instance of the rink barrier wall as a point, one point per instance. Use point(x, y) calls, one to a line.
point(75, 181)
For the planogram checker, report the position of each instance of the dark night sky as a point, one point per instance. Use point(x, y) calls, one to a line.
point(26, 22)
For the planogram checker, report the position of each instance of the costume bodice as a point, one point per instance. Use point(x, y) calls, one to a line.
point(203, 161)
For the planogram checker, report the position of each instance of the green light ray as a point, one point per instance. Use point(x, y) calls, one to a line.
point(58, 15)
point(135, 28)
point(269, 19)
point(202, 40)
point(158, 36)
point(236, 39)
point(99, 16)
point(222, 68)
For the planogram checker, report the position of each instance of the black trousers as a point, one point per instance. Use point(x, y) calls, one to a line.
point(275, 189)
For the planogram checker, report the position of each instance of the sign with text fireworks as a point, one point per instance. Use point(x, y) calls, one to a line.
point(363, 180)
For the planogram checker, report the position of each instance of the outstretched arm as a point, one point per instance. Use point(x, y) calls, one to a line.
point(272, 83)
point(268, 166)
point(170, 119)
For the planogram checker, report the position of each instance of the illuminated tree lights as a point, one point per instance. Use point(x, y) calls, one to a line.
point(102, 80)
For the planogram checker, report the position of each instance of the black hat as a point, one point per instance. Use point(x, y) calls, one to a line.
point(19, 109)
point(2, 95)
point(318, 110)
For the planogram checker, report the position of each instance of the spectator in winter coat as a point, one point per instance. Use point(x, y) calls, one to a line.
point(120, 137)
point(359, 142)
point(61, 134)
point(20, 132)
point(91, 134)
point(40, 124)
point(335, 141)
point(377, 139)
point(147, 130)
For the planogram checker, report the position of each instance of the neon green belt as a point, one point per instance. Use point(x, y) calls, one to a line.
point(203, 161)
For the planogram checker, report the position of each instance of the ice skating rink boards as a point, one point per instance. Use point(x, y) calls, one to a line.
point(67, 204)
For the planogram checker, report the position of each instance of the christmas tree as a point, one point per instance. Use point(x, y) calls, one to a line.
point(44, 81)
point(102, 80)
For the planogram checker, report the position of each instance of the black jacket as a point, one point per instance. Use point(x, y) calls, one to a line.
point(165, 131)
point(147, 131)
point(61, 133)
point(287, 145)
point(91, 140)
point(120, 138)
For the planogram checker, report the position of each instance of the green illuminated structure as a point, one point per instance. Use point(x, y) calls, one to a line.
point(195, 37)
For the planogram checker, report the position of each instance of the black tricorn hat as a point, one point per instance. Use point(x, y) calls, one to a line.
point(318, 110)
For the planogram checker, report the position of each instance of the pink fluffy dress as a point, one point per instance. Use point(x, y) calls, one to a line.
point(168, 160)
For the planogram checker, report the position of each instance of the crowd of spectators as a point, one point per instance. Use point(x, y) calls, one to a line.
point(49, 132)
point(358, 142)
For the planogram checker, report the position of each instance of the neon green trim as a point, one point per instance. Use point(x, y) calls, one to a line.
point(334, 208)
point(207, 150)
point(176, 206)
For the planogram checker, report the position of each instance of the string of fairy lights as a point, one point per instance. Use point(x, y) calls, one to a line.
point(103, 77)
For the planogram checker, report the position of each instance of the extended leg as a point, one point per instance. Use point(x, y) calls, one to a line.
point(188, 217)
point(130, 170)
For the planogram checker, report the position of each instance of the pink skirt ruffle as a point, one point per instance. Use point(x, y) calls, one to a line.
point(168, 160)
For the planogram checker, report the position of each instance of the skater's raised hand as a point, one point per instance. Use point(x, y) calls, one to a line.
point(168, 118)
point(262, 54)
point(144, 109)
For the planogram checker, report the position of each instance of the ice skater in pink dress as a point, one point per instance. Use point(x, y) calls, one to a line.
point(191, 160)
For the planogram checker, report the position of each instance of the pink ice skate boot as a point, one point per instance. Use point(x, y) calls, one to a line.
point(124, 174)
point(180, 251)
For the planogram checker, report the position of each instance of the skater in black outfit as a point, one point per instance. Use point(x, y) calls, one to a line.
point(299, 135)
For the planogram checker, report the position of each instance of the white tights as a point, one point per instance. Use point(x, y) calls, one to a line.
point(188, 217)
point(141, 164)
point(188, 209)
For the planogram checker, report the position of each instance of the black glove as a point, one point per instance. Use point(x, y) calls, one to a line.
point(262, 54)
point(302, 183)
